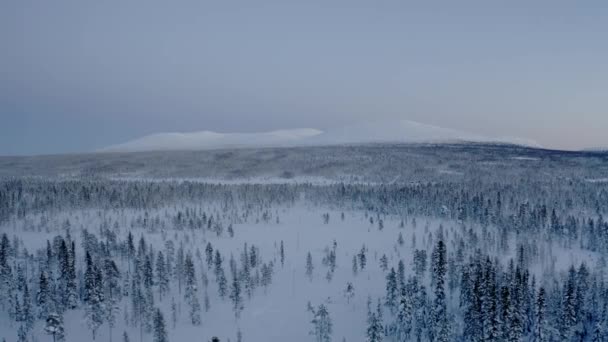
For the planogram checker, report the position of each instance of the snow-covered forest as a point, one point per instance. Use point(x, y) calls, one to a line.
point(422, 243)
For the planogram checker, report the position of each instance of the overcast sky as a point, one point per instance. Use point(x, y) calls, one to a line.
point(79, 75)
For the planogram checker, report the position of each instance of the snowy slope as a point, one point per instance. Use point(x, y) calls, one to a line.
point(211, 140)
point(392, 131)
point(400, 131)
point(406, 131)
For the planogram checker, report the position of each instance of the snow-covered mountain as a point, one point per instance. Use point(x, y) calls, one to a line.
point(204, 140)
point(392, 131)
point(400, 131)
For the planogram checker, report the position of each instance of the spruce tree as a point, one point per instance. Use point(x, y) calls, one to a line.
point(191, 292)
point(440, 320)
point(236, 296)
point(93, 296)
point(322, 324)
point(540, 324)
point(162, 275)
point(375, 330)
point(309, 266)
point(403, 323)
point(391, 290)
point(54, 327)
point(71, 287)
point(27, 311)
point(42, 296)
point(111, 293)
point(160, 329)
point(569, 314)
point(282, 254)
point(209, 255)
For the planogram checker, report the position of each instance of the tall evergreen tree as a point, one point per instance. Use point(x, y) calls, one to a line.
point(27, 311)
point(569, 315)
point(236, 296)
point(54, 327)
point(191, 293)
point(403, 323)
point(375, 330)
point(162, 276)
point(309, 266)
point(282, 254)
point(112, 293)
point(160, 328)
point(392, 291)
point(540, 324)
point(322, 324)
point(42, 296)
point(440, 322)
point(93, 296)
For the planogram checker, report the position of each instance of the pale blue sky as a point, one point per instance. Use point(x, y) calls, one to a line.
point(79, 75)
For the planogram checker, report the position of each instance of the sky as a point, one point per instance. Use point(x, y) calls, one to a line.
point(76, 76)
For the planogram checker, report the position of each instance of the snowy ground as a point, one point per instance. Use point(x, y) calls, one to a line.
point(279, 313)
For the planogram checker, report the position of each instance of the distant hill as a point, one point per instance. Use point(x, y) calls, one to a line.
point(400, 131)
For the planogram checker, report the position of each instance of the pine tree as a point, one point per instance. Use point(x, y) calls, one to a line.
point(419, 263)
point(111, 293)
point(236, 296)
point(540, 325)
point(440, 321)
point(516, 324)
point(309, 266)
point(403, 324)
point(173, 312)
point(491, 323)
point(322, 324)
point(18, 313)
point(349, 293)
point(6, 277)
point(473, 300)
point(209, 255)
point(93, 296)
point(54, 326)
point(42, 296)
point(401, 273)
point(267, 270)
point(22, 334)
point(160, 329)
point(27, 311)
point(362, 258)
point(218, 263)
point(71, 288)
point(375, 331)
point(384, 263)
point(191, 293)
point(282, 254)
point(62, 281)
point(206, 302)
point(179, 267)
point(162, 275)
point(568, 317)
point(222, 284)
point(245, 274)
point(391, 290)
point(505, 297)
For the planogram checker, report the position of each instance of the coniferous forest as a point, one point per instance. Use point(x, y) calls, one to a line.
point(369, 243)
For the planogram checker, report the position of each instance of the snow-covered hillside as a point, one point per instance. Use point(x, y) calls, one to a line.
point(399, 131)
point(211, 140)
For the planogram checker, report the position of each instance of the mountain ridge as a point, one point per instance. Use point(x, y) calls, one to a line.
point(399, 131)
